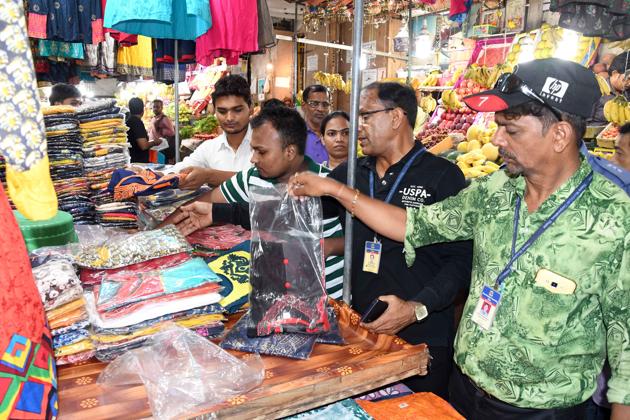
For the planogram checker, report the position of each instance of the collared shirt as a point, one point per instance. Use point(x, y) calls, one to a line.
point(544, 349)
point(236, 190)
point(218, 154)
point(161, 127)
point(315, 149)
point(614, 173)
point(440, 270)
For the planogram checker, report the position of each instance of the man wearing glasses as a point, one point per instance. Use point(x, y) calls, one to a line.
point(316, 105)
point(399, 170)
point(551, 255)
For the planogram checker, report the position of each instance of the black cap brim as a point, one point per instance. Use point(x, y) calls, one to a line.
point(494, 100)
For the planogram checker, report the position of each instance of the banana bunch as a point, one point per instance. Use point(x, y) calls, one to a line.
point(617, 111)
point(549, 39)
point(431, 80)
point(332, 81)
point(604, 87)
point(450, 100)
point(479, 74)
point(428, 104)
point(496, 72)
point(455, 77)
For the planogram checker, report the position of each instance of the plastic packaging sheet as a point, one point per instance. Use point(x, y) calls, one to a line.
point(133, 249)
point(287, 263)
point(183, 373)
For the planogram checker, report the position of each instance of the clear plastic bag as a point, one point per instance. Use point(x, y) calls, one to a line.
point(287, 263)
point(183, 373)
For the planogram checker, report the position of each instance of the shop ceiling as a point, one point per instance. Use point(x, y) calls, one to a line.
point(283, 9)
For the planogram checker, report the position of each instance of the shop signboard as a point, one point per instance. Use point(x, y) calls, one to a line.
point(311, 63)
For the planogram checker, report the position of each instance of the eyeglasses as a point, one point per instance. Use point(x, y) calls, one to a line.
point(511, 83)
point(317, 104)
point(363, 116)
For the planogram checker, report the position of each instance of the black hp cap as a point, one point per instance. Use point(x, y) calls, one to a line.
point(564, 85)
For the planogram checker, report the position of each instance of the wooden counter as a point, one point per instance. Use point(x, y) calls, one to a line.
point(368, 361)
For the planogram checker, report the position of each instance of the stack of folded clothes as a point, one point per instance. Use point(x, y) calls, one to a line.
point(142, 281)
point(105, 149)
point(214, 240)
point(154, 209)
point(120, 214)
point(62, 296)
point(65, 154)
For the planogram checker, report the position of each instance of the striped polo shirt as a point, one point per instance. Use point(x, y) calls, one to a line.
point(236, 190)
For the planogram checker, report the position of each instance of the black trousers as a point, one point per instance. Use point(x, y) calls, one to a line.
point(436, 380)
point(474, 403)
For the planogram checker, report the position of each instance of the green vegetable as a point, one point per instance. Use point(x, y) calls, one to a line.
point(186, 132)
point(207, 125)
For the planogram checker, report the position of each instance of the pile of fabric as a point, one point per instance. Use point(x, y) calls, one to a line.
point(106, 149)
point(62, 296)
point(154, 209)
point(215, 240)
point(66, 163)
point(142, 281)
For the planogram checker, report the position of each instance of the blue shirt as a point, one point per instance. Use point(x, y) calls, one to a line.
point(315, 148)
point(614, 173)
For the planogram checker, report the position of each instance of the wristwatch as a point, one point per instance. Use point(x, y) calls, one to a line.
point(421, 311)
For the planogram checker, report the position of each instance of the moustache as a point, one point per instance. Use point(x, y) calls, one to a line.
point(504, 153)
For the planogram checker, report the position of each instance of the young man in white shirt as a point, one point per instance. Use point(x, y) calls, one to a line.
point(217, 160)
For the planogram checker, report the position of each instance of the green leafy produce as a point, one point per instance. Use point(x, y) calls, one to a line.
point(186, 132)
point(207, 125)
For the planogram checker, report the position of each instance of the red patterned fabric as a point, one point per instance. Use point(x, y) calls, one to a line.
point(20, 305)
point(28, 383)
point(37, 25)
point(90, 276)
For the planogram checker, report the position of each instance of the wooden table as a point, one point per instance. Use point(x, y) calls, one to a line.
point(368, 361)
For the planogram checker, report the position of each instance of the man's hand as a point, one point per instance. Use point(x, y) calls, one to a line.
point(195, 178)
point(193, 217)
point(398, 315)
point(310, 184)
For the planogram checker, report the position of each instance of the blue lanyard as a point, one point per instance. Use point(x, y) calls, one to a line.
point(561, 209)
point(402, 173)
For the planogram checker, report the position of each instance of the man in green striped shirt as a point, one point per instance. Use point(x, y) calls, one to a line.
point(278, 143)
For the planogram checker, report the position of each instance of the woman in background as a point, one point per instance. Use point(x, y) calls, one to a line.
point(335, 129)
point(137, 134)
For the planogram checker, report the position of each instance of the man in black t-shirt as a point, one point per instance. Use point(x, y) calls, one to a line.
point(399, 170)
point(137, 134)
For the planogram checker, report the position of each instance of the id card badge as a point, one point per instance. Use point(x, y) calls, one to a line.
point(372, 256)
point(486, 308)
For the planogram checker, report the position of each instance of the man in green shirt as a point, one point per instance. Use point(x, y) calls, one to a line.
point(532, 347)
point(278, 144)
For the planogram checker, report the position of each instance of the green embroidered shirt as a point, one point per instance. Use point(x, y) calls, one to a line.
point(544, 349)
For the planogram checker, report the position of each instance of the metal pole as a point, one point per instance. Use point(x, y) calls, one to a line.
point(357, 41)
point(176, 86)
point(410, 43)
point(295, 56)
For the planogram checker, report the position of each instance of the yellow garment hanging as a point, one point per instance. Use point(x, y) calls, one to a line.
point(136, 60)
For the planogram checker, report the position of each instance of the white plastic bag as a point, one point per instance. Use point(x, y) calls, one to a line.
point(183, 373)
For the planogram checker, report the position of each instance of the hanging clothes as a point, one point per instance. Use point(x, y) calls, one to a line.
point(136, 60)
point(174, 19)
point(608, 19)
point(101, 58)
point(165, 51)
point(60, 49)
point(266, 38)
point(124, 39)
point(234, 32)
point(66, 20)
point(28, 383)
